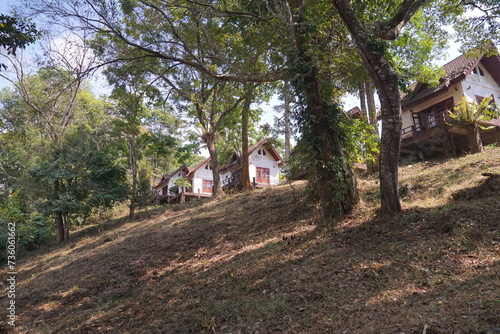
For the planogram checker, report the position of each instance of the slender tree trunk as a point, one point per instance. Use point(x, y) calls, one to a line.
point(288, 131)
point(372, 165)
point(60, 226)
point(133, 170)
point(58, 217)
point(362, 100)
point(66, 223)
point(209, 139)
point(474, 138)
point(245, 172)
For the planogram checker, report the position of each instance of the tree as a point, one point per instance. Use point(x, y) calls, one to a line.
point(370, 27)
point(321, 116)
point(131, 89)
point(65, 177)
point(209, 101)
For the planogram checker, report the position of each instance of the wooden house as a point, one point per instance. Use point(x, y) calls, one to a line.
point(428, 128)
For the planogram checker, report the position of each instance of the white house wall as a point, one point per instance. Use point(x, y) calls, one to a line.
point(200, 175)
point(264, 161)
point(484, 86)
point(176, 176)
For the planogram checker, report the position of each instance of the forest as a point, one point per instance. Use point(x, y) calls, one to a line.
point(181, 76)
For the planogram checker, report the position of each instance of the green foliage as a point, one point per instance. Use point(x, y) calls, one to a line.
point(364, 143)
point(16, 32)
point(182, 182)
point(78, 177)
point(31, 230)
point(466, 112)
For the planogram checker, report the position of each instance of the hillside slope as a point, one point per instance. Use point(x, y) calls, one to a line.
point(256, 262)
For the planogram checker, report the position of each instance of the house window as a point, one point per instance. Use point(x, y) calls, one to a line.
point(207, 186)
point(477, 70)
point(480, 98)
point(208, 167)
point(261, 152)
point(262, 175)
point(432, 116)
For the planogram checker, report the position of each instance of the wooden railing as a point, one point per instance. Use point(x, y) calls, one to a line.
point(422, 132)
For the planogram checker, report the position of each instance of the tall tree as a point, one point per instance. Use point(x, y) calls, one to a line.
point(322, 117)
point(131, 90)
point(370, 27)
point(209, 101)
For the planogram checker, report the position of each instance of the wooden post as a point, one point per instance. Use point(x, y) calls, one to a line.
point(254, 183)
point(183, 198)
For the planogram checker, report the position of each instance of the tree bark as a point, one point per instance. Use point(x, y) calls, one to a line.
point(385, 79)
point(372, 165)
point(474, 138)
point(58, 217)
point(209, 139)
point(133, 170)
point(288, 131)
point(245, 173)
point(362, 100)
point(60, 227)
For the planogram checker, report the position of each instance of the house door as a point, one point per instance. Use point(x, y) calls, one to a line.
point(262, 175)
point(207, 186)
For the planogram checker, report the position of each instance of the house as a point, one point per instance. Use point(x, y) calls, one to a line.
point(428, 128)
point(199, 178)
point(264, 163)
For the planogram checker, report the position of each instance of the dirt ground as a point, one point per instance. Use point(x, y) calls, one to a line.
point(258, 262)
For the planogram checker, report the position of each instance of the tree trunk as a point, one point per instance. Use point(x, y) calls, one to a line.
point(133, 170)
point(60, 227)
point(288, 131)
point(66, 223)
point(386, 80)
point(209, 139)
point(474, 138)
point(335, 181)
point(245, 172)
point(58, 218)
point(372, 165)
point(362, 100)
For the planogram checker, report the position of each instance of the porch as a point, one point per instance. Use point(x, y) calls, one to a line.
point(444, 136)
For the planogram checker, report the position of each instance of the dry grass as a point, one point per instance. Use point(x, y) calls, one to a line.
point(255, 262)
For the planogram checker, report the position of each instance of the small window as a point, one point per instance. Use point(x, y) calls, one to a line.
point(479, 70)
point(208, 167)
point(261, 152)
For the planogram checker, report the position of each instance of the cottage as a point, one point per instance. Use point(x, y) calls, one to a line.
point(264, 163)
point(427, 126)
point(199, 178)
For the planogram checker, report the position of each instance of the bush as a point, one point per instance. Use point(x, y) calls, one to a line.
point(31, 231)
